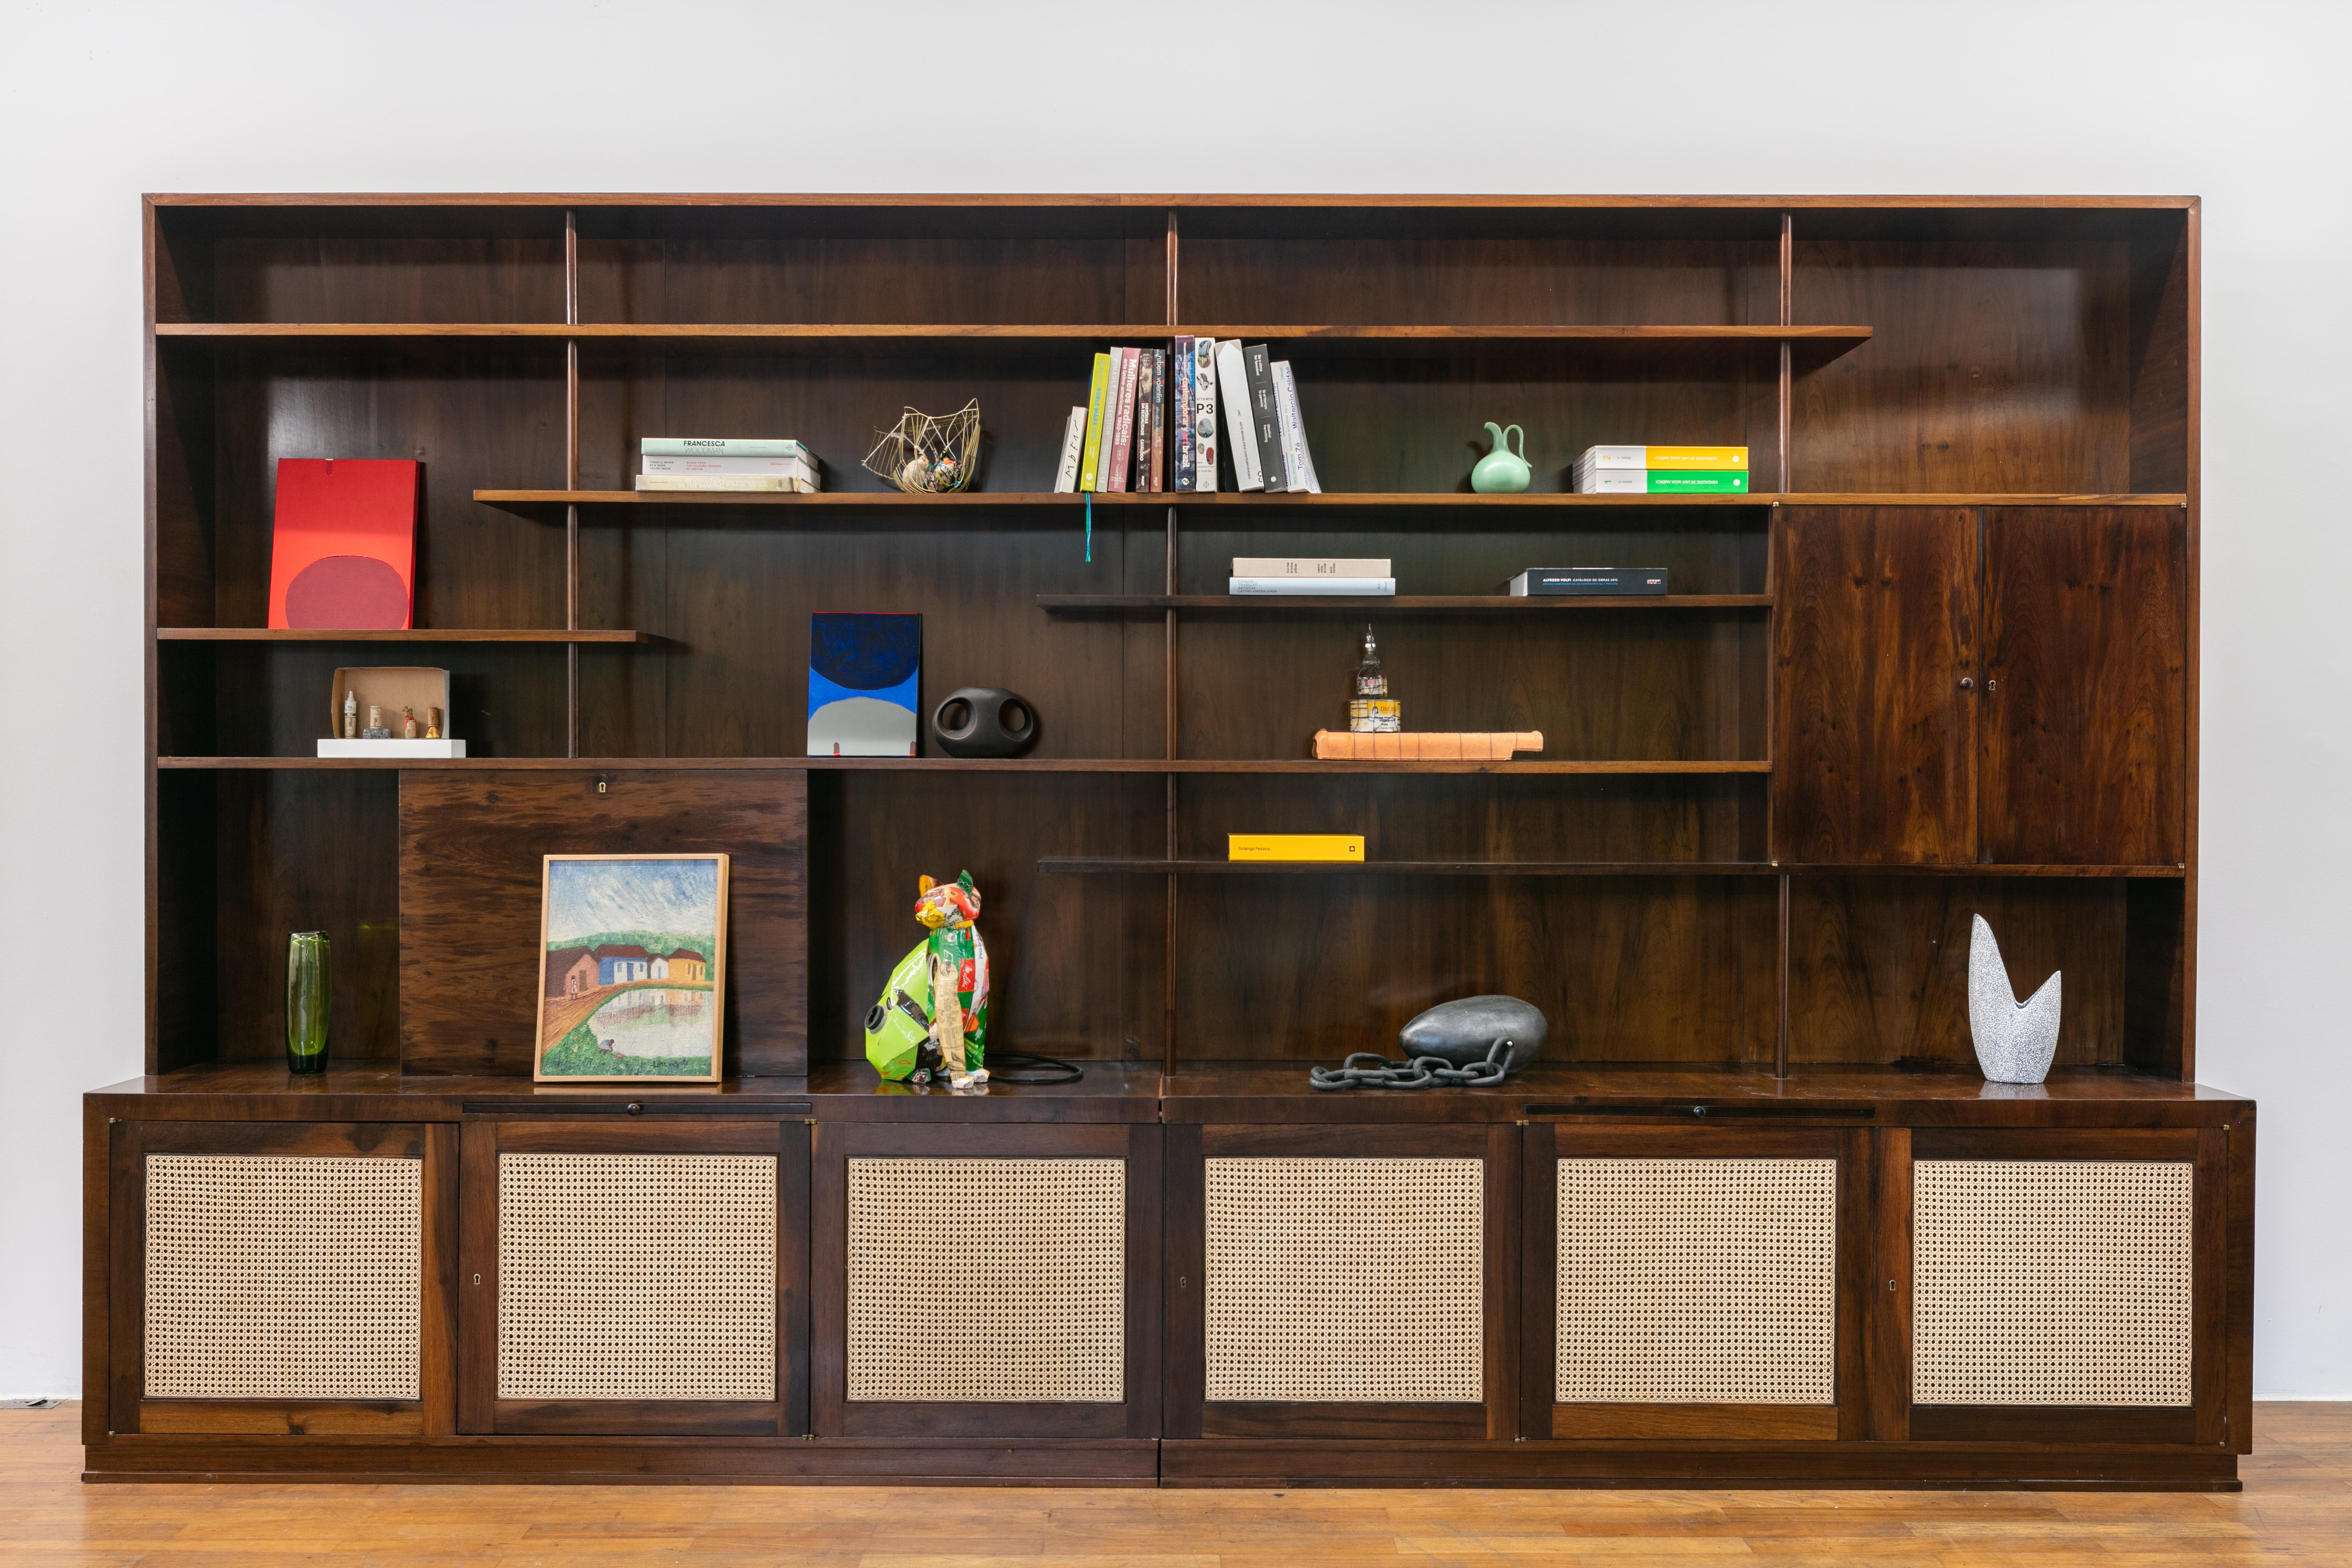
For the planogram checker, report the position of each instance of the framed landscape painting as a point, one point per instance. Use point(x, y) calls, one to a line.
point(633, 968)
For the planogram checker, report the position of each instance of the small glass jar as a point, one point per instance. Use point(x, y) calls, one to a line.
point(308, 997)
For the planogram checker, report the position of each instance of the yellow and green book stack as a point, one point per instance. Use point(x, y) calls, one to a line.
point(1663, 470)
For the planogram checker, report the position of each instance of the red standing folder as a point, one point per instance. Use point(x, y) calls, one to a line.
point(342, 546)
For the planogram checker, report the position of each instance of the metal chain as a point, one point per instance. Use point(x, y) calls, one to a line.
point(1373, 1070)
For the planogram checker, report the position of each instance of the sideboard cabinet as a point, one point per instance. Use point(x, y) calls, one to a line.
point(1754, 1218)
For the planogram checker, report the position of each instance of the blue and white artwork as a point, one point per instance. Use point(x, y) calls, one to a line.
point(864, 671)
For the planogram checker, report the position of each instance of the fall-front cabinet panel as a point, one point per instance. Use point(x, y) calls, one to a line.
point(281, 1277)
point(637, 1276)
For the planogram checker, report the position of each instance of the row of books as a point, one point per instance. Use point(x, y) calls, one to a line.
point(1150, 421)
point(1373, 577)
point(1661, 471)
point(725, 463)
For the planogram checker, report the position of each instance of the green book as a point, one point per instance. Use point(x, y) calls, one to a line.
point(1663, 481)
point(1096, 395)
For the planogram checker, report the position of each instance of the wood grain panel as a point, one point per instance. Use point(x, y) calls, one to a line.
point(2084, 726)
point(1878, 965)
point(470, 848)
point(1874, 754)
point(303, 851)
point(848, 264)
point(1994, 364)
point(1075, 961)
point(351, 264)
point(1634, 969)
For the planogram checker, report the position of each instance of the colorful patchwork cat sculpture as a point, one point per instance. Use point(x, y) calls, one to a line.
point(932, 1017)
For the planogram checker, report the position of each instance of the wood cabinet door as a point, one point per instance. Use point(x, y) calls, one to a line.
point(1342, 1281)
point(1687, 1282)
point(2086, 699)
point(2054, 1285)
point(986, 1280)
point(1873, 748)
point(281, 1278)
point(635, 1276)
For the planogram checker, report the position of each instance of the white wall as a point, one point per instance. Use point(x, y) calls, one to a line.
point(2244, 105)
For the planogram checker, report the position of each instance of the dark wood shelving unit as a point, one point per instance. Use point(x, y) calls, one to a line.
point(1940, 662)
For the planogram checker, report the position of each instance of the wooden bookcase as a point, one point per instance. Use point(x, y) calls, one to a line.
point(1942, 660)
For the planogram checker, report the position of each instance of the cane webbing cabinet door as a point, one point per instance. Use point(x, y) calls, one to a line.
point(2063, 1286)
point(633, 1276)
point(1694, 1283)
point(985, 1280)
point(287, 1278)
point(1342, 1281)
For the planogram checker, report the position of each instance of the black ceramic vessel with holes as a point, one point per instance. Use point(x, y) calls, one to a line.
point(983, 721)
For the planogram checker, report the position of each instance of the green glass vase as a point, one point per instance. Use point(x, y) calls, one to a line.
point(307, 994)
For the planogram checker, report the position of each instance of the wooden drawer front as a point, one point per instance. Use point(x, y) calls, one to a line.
point(637, 1277)
point(1696, 1281)
point(283, 1277)
point(2052, 1282)
point(1346, 1280)
point(987, 1279)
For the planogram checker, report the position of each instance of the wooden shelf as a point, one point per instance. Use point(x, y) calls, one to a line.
point(966, 765)
point(1384, 603)
point(413, 634)
point(1364, 500)
point(1149, 866)
point(1818, 342)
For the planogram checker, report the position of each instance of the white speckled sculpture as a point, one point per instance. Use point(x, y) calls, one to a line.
point(2015, 1040)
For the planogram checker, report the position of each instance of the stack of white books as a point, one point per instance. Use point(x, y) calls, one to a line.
point(1273, 575)
point(725, 463)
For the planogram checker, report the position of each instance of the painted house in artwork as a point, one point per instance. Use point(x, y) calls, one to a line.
point(570, 971)
point(623, 962)
point(682, 964)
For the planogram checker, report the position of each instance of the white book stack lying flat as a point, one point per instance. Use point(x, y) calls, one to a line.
point(1368, 577)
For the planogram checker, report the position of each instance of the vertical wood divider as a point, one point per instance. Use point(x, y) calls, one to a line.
point(1787, 318)
point(1169, 740)
point(1780, 990)
point(1776, 519)
point(571, 482)
point(2193, 483)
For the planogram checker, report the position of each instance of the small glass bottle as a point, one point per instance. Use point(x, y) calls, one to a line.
point(307, 995)
point(1371, 709)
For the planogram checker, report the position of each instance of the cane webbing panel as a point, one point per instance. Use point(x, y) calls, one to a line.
point(2050, 1281)
point(991, 1280)
point(280, 1277)
point(1696, 1281)
point(1341, 1279)
point(637, 1276)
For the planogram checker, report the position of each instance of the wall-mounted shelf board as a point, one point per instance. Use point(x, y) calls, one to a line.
point(1143, 867)
point(1365, 499)
point(414, 635)
point(978, 764)
point(1353, 604)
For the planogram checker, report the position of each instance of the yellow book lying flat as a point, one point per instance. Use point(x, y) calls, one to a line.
point(1348, 847)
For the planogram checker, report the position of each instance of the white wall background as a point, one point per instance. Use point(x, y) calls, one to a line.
point(2244, 105)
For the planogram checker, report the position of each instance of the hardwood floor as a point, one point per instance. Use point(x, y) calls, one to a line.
point(2296, 1509)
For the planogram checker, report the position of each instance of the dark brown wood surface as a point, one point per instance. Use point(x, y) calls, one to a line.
point(1875, 746)
point(2085, 741)
point(471, 875)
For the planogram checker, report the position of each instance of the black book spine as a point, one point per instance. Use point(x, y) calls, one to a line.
point(1265, 422)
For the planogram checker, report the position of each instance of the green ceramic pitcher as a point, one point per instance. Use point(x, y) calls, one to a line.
point(1502, 471)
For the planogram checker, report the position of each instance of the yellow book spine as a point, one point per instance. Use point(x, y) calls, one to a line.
point(1698, 456)
point(1096, 395)
point(1346, 846)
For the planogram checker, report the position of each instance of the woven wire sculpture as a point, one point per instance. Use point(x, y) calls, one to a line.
point(928, 454)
